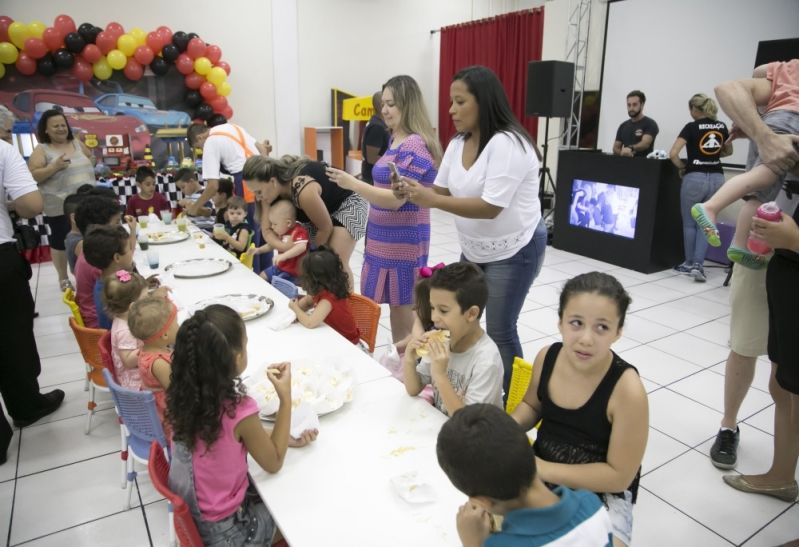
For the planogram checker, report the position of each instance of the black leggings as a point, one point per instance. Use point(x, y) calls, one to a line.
point(59, 227)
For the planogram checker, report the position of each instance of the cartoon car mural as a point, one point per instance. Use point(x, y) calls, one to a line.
point(117, 141)
point(144, 109)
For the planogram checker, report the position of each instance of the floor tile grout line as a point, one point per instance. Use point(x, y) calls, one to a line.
point(790, 505)
point(78, 525)
point(14, 491)
point(39, 472)
point(39, 424)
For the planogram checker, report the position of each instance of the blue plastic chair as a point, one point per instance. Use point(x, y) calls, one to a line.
point(285, 286)
point(141, 422)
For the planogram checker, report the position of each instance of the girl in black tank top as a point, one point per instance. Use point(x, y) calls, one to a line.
point(592, 405)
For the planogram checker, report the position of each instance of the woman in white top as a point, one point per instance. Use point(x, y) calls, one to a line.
point(60, 164)
point(489, 180)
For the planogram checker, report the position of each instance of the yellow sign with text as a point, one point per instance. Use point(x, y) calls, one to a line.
point(357, 109)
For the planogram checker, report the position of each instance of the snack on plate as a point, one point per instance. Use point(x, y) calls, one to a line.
point(156, 236)
point(440, 335)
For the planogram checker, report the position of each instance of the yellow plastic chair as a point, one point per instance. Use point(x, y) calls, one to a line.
point(69, 300)
point(519, 380)
point(246, 258)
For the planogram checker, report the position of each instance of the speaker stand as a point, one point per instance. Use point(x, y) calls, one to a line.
point(546, 192)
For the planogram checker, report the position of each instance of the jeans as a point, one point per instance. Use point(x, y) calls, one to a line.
point(508, 281)
point(697, 187)
point(275, 271)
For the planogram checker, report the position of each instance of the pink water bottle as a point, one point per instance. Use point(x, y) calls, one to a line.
point(768, 211)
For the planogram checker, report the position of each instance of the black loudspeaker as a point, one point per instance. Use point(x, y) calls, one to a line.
point(769, 51)
point(550, 85)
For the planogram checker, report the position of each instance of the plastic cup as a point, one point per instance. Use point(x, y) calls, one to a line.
point(143, 220)
point(219, 230)
point(152, 258)
point(166, 216)
point(144, 243)
point(182, 224)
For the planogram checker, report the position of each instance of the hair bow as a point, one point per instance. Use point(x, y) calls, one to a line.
point(427, 271)
point(123, 276)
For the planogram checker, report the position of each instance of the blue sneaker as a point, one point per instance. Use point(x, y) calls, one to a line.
point(683, 268)
point(698, 273)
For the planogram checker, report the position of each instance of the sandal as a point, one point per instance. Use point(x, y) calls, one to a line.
point(707, 225)
point(747, 258)
point(66, 284)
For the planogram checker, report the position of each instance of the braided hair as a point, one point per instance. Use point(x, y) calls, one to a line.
point(204, 381)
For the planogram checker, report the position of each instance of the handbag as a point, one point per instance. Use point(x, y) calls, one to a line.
point(27, 237)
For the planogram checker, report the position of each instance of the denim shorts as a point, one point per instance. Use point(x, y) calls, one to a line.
point(621, 515)
point(782, 122)
point(251, 524)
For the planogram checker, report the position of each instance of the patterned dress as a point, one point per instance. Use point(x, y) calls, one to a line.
point(397, 242)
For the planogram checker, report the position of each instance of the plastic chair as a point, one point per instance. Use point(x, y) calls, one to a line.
point(519, 380)
point(89, 344)
point(105, 352)
point(246, 258)
point(181, 522)
point(142, 424)
point(285, 286)
point(367, 316)
point(69, 300)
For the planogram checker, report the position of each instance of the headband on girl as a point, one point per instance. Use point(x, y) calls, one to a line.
point(172, 315)
point(123, 276)
point(427, 271)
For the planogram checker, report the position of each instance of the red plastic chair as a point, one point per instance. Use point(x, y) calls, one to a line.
point(104, 345)
point(181, 523)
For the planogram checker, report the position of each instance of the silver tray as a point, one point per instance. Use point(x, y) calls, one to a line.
point(169, 237)
point(216, 266)
point(248, 306)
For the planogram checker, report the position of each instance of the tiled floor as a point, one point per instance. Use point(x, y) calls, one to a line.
point(61, 487)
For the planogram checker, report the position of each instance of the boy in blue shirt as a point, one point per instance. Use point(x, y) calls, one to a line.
point(488, 457)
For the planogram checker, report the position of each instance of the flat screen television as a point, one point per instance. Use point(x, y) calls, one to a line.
point(603, 207)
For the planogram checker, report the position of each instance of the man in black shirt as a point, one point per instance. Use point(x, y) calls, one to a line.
point(375, 139)
point(636, 136)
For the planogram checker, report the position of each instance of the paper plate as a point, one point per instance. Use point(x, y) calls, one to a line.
point(165, 238)
point(248, 306)
point(199, 267)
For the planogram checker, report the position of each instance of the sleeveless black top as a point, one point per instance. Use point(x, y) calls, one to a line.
point(579, 435)
point(332, 194)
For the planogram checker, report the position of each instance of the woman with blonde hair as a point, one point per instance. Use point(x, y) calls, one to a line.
point(706, 140)
point(398, 234)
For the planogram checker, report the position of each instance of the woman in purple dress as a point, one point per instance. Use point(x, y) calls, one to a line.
point(398, 232)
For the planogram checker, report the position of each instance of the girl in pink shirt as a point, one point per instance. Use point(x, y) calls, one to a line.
point(215, 425)
point(122, 289)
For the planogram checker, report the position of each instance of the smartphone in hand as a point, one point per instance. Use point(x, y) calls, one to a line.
point(394, 171)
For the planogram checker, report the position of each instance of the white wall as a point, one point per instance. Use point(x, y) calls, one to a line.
point(243, 34)
point(691, 45)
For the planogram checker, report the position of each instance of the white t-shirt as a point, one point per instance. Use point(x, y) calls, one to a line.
point(476, 374)
point(506, 175)
point(220, 150)
point(15, 181)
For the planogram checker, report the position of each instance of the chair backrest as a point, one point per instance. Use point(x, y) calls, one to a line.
point(104, 344)
point(89, 343)
point(138, 412)
point(285, 286)
point(245, 257)
point(519, 380)
point(185, 528)
point(367, 316)
point(69, 300)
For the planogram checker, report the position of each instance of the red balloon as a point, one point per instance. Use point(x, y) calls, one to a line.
point(155, 42)
point(165, 33)
point(53, 38)
point(143, 55)
point(218, 103)
point(196, 48)
point(208, 90)
point(214, 53)
point(106, 42)
point(26, 64)
point(115, 29)
point(184, 64)
point(64, 24)
point(194, 80)
point(35, 48)
point(91, 53)
point(227, 112)
point(82, 70)
point(224, 66)
point(5, 20)
point(133, 70)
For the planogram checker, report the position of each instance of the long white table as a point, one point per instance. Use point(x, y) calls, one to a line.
point(338, 490)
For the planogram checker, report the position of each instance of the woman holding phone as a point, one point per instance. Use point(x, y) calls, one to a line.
point(398, 232)
point(60, 164)
point(489, 180)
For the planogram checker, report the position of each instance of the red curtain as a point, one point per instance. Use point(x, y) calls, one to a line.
point(505, 44)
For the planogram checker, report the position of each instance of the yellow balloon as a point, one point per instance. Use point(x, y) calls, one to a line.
point(18, 33)
point(116, 59)
point(126, 44)
point(2, 70)
point(216, 75)
point(102, 70)
point(36, 29)
point(8, 53)
point(138, 35)
point(224, 89)
point(202, 65)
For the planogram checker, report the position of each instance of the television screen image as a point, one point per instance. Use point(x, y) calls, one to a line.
point(608, 208)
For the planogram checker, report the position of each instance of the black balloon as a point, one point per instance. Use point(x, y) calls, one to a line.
point(170, 53)
point(192, 35)
point(63, 58)
point(74, 42)
point(46, 66)
point(193, 98)
point(86, 30)
point(181, 40)
point(159, 66)
point(204, 111)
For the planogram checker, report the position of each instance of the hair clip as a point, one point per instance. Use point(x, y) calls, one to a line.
point(123, 276)
point(427, 271)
